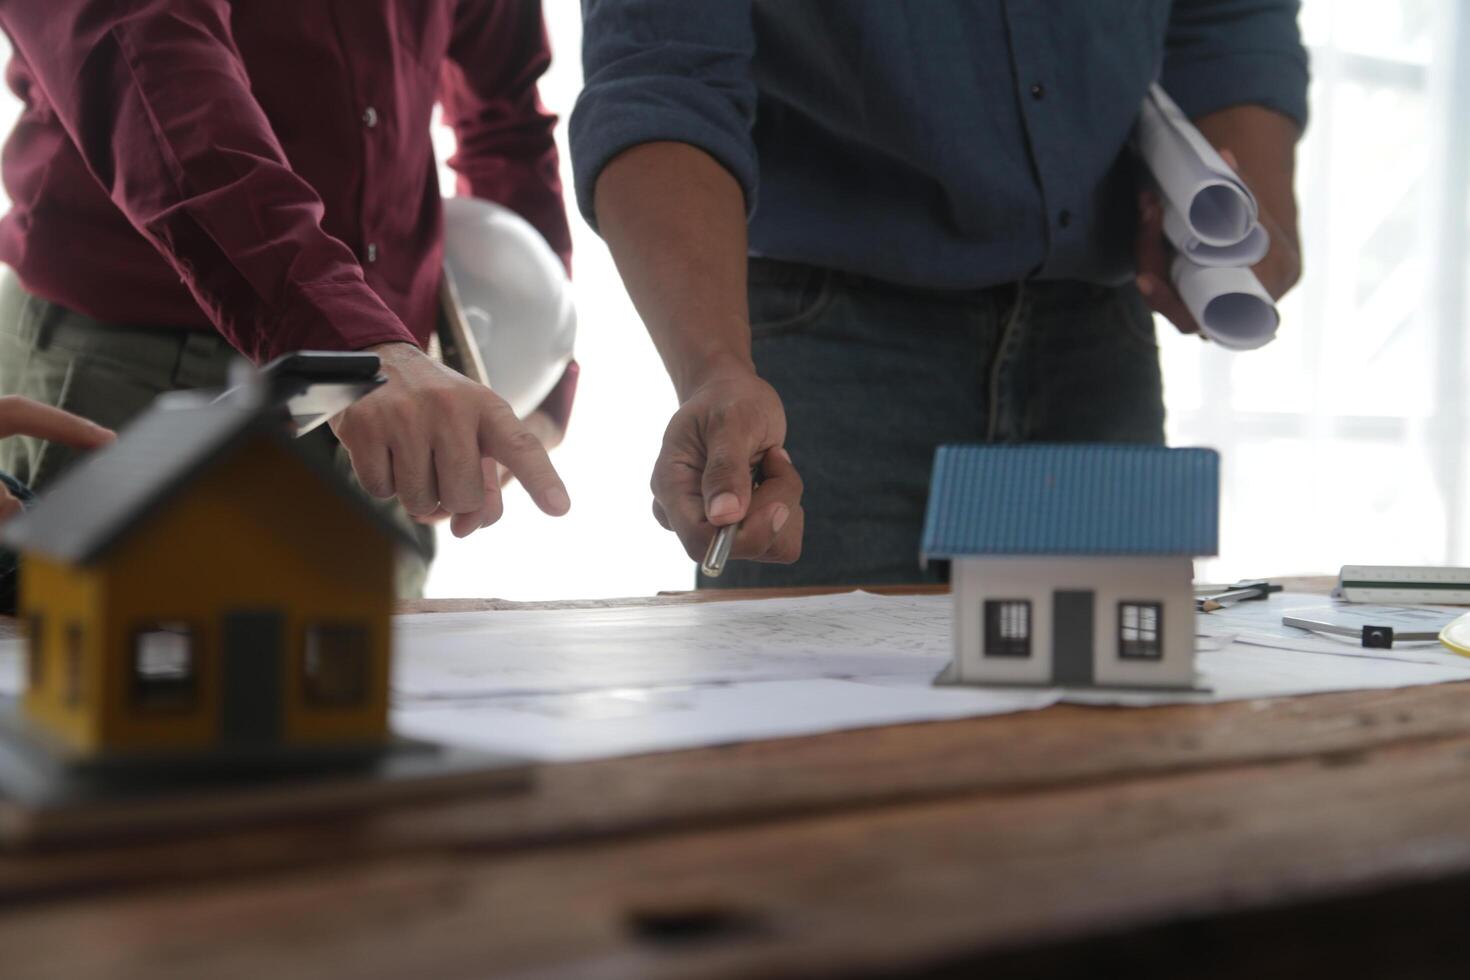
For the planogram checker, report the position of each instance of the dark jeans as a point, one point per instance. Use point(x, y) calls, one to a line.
point(875, 376)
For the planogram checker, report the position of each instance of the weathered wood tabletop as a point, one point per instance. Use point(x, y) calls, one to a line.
point(1280, 837)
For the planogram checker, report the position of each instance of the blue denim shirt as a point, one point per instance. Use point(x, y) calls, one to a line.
point(937, 143)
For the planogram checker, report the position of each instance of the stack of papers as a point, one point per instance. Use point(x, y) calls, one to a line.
point(1213, 221)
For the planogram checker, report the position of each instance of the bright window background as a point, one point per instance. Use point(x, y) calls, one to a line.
point(1344, 441)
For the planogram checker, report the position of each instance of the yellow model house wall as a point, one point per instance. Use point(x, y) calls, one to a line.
point(259, 531)
point(55, 601)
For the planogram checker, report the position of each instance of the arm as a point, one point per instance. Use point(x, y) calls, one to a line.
point(666, 169)
point(24, 417)
point(506, 148)
point(1238, 69)
point(128, 80)
point(156, 99)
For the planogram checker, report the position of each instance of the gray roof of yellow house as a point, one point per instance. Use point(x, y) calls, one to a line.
point(1063, 499)
point(96, 503)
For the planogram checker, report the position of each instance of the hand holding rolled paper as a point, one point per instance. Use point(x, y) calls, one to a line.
point(1202, 280)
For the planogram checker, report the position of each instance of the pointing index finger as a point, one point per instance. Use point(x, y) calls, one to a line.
point(510, 442)
point(24, 417)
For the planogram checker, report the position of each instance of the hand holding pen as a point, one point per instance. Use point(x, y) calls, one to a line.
point(722, 546)
point(703, 480)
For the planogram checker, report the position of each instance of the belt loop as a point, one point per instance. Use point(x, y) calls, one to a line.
point(198, 363)
point(43, 320)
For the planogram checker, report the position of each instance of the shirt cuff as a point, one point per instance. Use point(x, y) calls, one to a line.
point(332, 316)
point(615, 116)
point(1274, 80)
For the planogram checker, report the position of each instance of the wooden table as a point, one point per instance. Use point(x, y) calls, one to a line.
point(1267, 838)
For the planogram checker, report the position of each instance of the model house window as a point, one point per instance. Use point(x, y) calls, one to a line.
point(35, 651)
point(1139, 630)
point(74, 664)
point(335, 668)
point(1007, 628)
point(164, 667)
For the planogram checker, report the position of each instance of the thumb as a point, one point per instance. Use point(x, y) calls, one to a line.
point(726, 483)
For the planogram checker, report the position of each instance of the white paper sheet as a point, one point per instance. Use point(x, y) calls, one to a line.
point(592, 725)
point(458, 655)
point(1242, 657)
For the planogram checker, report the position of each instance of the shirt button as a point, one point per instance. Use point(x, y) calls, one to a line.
point(370, 117)
point(1038, 91)
point(1064, 218)
point(372, 252)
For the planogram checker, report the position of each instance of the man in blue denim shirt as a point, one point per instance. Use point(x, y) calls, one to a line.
point(858, 229)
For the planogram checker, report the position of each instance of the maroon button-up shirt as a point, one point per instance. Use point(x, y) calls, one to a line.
point(264, 167)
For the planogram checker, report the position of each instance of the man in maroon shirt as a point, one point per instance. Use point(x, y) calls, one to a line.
point(192, 178)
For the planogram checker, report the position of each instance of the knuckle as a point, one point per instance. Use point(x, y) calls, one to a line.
point(523, 442)
point(442, 399)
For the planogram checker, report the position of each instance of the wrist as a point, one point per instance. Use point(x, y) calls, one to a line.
point(695, 373)
point(394, 351)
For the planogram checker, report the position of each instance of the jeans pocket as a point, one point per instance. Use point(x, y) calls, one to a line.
point(787, 296)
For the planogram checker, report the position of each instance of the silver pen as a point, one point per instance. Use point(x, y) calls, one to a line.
point(724, 539)
point(719, 551)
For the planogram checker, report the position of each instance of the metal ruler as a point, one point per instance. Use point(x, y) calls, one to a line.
point(1412, 584)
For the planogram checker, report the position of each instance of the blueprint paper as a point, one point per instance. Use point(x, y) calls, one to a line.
point(1246, 653)
point(1212, 205)
point(457, 655)
point(1230, 305)
point(1213, 220)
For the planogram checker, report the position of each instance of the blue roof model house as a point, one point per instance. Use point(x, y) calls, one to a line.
point(1072, 564)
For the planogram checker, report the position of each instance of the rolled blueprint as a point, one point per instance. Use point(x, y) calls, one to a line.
point(1230, 305)
point(1212, 219)
point(1209, 202)
point(1248, 250)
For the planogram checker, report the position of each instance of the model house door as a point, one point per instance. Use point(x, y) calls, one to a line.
point(251, 667)
point(1071, 638)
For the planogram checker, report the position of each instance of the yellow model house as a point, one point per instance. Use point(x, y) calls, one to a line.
point(203, 585)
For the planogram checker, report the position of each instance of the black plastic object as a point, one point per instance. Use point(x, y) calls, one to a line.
point(313, 386)
point(1378, 637)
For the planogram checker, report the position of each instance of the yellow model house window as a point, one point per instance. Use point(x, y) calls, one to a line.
point(335, 668)
point(164, 666)
point(35, 651)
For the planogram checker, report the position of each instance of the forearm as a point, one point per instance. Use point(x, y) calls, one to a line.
point(1264, 143)
point(674, 219)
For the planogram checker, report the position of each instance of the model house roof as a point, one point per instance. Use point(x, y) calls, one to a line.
point(109, 493)
point(1072, 500)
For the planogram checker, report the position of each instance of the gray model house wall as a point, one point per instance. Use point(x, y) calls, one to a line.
point(1109, 583)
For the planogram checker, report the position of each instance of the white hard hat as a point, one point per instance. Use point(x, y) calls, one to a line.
point(515, 298)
